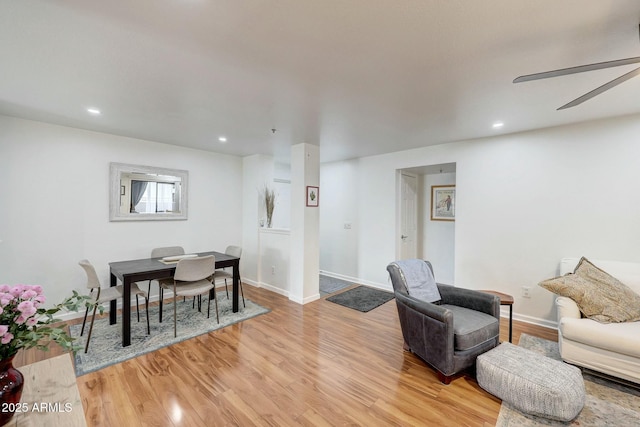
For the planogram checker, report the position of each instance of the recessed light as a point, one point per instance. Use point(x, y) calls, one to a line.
point(222, 139)
point(93, 111)
point(497, 125)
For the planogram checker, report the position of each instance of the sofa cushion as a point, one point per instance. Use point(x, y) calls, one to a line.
point(419, 280)
point(626, 272)
point(599, 295)
point(471, 327)
point(623, 338)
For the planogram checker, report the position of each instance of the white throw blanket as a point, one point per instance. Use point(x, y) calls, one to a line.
point(421, 283)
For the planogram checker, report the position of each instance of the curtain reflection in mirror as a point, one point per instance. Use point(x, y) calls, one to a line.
point(138, 189)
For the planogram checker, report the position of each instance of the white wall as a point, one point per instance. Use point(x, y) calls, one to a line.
point(523, 202)
point(257, 171)
point(438, 238)
point(339, 206)
point(282, 187)
point(274, 254)
point(261, 251)
point(54, 203)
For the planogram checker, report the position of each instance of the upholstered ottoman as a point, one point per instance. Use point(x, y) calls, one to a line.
point(532, 383)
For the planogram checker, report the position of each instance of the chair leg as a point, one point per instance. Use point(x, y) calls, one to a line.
point(226, 288)
point(444, 379)
point(208, 306)
point(93, 317)
point(146, 307)
point(215, 298)
point(175, 312)
point(137, 307)
point(241, 292)
point(84, 321)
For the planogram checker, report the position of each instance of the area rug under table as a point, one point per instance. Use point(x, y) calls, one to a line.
point(608, 403)
point(106, 348)
point(362, 298)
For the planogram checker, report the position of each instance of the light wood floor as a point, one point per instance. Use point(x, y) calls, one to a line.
point(320, 364)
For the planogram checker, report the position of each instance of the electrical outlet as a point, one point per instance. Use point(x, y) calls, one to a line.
point(273, 269)
point(526, 292)
point(347, 226)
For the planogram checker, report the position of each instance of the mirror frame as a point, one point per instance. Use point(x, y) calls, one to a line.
point(115, 171)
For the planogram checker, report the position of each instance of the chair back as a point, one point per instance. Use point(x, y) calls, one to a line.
point(92, 276)
point(194, 269)
point(235, 251)
point(167, 251)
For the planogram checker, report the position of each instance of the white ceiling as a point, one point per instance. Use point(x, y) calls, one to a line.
point(356, 77)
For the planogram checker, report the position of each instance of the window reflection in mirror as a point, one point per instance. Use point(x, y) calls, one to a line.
point(147, 193)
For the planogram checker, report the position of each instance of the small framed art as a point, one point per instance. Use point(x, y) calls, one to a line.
point(313, 196)
point(443, 202)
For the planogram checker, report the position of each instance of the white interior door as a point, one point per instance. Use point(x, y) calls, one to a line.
point(408, 216)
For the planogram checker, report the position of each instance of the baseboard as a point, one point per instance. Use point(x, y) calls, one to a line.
point(305, 300)
point(530, 319)
point(275, 289)
point(381, 286)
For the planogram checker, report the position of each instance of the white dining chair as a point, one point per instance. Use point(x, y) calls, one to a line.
point(163, 252)
point(192, 278)
point(100, 295)
point(222, 274)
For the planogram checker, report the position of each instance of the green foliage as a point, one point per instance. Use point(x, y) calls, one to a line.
point(24, 323)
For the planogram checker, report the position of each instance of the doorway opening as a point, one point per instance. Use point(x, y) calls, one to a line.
point(419, 233)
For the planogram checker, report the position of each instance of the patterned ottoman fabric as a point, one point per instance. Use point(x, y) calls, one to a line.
point(532, 383)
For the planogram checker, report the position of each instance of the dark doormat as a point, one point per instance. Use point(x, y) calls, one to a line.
point(362, 298)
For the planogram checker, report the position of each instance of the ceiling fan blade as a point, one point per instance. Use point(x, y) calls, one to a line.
point(604, 87)
point(578, 69)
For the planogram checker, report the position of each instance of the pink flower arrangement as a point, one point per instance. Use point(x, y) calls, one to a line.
point(24, 322)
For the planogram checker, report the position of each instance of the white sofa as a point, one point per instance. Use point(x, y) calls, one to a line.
point(613, 348)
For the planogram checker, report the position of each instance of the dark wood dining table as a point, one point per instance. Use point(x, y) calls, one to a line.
point(138, 270)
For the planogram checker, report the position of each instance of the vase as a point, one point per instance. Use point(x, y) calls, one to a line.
point(11, 383)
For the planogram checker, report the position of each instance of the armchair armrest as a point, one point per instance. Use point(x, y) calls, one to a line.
point(468, 298)
point(433, 311)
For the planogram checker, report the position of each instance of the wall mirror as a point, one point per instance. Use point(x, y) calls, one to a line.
point(145, 193)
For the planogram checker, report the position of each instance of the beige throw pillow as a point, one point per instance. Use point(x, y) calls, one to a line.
point(599, 295)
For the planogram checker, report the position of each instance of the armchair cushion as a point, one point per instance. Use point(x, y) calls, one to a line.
point(471, 327)
point(599, 295)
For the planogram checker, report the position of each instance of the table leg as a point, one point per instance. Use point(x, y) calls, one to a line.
point(126, 312)
point(510, 322)
point(113, 305)
point(236, 285)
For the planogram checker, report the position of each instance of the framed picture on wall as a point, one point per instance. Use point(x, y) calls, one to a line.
point(313, 196)
point(443, 202)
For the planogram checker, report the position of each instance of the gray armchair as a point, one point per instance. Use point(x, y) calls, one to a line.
point(448, 334)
